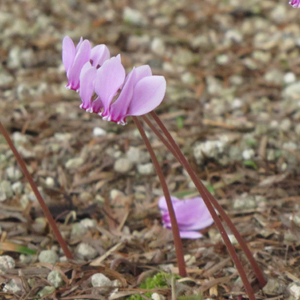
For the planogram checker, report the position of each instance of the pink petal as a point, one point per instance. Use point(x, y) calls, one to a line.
point(110, 78)
point(82, 56)
point(190, 234)
point(162, 203)
point(97, 106)
point(192, 214)
point(142, 71)
point(79, 43)
point(99, 54)
point(68, 52)
point(148, 94)
point(87, 83)
point(120, 106)
point(295, 3)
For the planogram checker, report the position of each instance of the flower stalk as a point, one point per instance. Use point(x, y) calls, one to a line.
point(208, 198)
point(38, 195)
point(175, 229)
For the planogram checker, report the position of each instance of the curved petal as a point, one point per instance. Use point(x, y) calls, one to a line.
point(192, 214)
point(68, 52)
point(120, 106)
point(82, 56)
point(109, 79)
point(79, 43)
point(97, 106)
point(162, 203)
point(148, 93)
point(87, 83)
point(190, 234)
point(142, 71)
point(99, 54)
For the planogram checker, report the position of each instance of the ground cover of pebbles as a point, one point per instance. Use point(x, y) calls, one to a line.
point(233, 106)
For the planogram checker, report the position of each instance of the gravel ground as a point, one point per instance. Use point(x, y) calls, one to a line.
point(232, 104)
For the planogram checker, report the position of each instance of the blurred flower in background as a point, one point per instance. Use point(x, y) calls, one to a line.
point(295, 3)
point(191, 214)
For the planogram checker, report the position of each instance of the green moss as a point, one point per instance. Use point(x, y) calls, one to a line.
point(159, 280)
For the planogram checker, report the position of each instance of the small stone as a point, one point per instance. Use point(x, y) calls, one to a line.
point(135, 155)
point(274, 287)
point(12, 287)
point(88, 223)
point(135, 17)
point(244, 201)
point(6, 262)
point(74, 163)
point(25, 259)
point(50, 182)
point(262, 56)
point(146, 169)
point(6, 80)
point(156, 296)
point(211, 149)
point(292, 91)
point(234, 35)
point(47, 290)
point(100, 280)
point(114, 193)
point(13, 173)
point(85, 251)
point(222, 59)
point(48, 256)
point(28, 58)
point(248, 154)
point(285, 125)
point(289, 77)
point(236, 80)
point(279, 14)
point(188, 77)
point(78, 230)
point(275, 76)
point(85, 196)
point(55, 278)
point(123, 165)
point(158, 46)
point(294, 291)
point(98, 132)
point(17, 187)
point(6, 191)
point(14, 58)
point(183, 57)
point(181, 20)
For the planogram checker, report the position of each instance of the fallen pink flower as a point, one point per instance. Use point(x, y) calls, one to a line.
point(295, 3)
point(74, 58)
point(191, 215)
point(138, 93)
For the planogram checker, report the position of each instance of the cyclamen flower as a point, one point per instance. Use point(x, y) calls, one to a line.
point(139, 92)
point(191, 215)
point(295, 3)
point(74, 58)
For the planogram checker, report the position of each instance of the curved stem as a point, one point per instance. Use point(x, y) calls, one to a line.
point(42, 203)
point(172, 146)
point(182, 159)
point(175, 229)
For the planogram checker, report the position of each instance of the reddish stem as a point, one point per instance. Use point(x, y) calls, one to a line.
point(172, 146)
point(175, 229)
point(225, 217)
point(42, 203)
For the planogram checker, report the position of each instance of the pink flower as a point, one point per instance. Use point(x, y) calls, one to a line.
point(118, 95)
point(295, 3)
point(74, 58)
point(191, 215)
